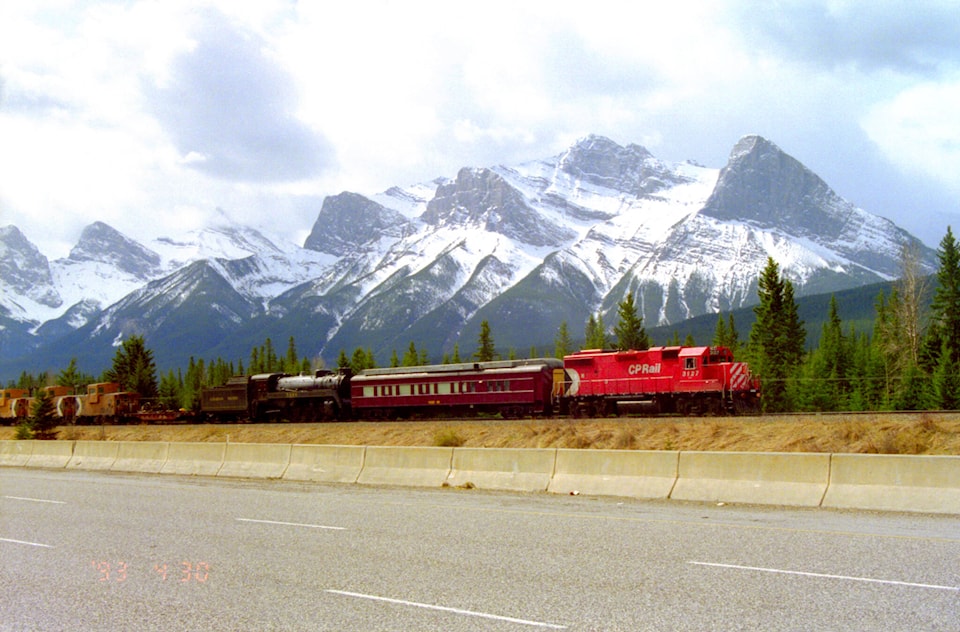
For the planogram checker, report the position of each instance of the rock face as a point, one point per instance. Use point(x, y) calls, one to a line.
point(348, 221)
point(24, 271)
point(99, 242)
point(480, 198)
point(764, 186)
point(631, 169)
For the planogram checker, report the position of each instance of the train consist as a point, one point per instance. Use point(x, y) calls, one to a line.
point(659, 380)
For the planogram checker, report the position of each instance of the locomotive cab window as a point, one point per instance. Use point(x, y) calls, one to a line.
point(689, 364)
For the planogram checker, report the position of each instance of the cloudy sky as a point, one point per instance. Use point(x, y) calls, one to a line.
point(151, 114)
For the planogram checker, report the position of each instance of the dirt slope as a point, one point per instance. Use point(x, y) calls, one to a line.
point(920, 433)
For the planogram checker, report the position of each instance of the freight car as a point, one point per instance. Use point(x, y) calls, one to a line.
point(14, 405)
point(683, 380)
point(103, 402)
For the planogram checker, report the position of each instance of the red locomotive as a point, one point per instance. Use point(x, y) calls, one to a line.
point(684, 380)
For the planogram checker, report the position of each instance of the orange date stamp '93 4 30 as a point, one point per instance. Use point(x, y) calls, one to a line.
point(184, 572)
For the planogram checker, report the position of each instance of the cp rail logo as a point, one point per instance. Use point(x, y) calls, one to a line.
point(643, 369)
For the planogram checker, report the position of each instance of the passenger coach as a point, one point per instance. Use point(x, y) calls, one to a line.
point(513, 388)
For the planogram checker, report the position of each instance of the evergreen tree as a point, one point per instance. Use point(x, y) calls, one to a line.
point(343, 361)
point(776, 338)
point(562, 344)
point(943, 335)
point(43, 416)
point(411, 357)
point(269, 356)
point(133, 368)
point(169, 391)
point(629, 331)
point(720, 335)
point(725, 334)
point(361, 360)
point(914, 391)
point(689, 341)
point(73, 377)
point(596, 335)
point(456, 354)
point(946, 382)
point(291, 363)
point(485, 350)
point(394, 360)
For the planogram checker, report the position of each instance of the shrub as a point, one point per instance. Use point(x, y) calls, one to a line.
point(447, 438)
point(24, 431)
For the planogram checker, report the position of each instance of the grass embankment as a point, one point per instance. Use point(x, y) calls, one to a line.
point(920, 433)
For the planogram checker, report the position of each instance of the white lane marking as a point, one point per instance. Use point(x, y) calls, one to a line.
point(293, 524)
point(45, 546)
point(870, 580)
point(36, 500)
point(469, 613)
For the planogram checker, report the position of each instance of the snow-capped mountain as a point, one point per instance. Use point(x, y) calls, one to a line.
point(525, 247)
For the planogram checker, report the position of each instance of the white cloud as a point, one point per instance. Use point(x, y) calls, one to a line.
point(281, 103)
point(919, 130)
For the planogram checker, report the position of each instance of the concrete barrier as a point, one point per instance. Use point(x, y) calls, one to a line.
point(798, 479)
point(633, 473)
point(889, 482)
point(523, 470)
point(15, 453)
point(50, 453)
point(93, 455)
point(198, 459)
point(147, 457)
point(417, 467)
point(255, 460)
point(325, 463)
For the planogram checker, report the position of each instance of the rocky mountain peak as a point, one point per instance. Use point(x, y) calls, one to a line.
point(481, 197)
point(24, 269)
point(102, 243)
point(763, 185)
point(350, 220)
point(631, 169)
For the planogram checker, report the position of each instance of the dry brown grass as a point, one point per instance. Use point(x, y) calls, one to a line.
point(920, 433)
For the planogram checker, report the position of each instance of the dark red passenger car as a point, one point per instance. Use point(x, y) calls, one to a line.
point(513, 388)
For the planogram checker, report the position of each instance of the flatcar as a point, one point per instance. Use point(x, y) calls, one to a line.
point(683, 380)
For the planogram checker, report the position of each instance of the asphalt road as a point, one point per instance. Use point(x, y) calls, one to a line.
point(90, 551)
